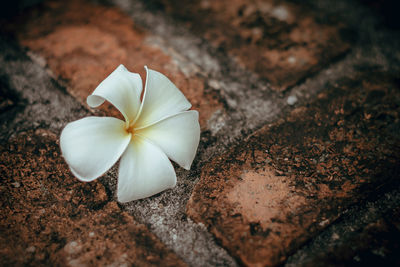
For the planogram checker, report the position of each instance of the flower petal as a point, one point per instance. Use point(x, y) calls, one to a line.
point(92, 145)
point(144, 170)
point(121, 88)
point(161, 99)
point(178, 136)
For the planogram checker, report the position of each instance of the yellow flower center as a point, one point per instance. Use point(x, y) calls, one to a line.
point(130, 129)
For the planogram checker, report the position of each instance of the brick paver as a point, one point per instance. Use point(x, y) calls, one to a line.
point(50, 218)
point(281, 41)
point(293, 178)
point(376, 245)
point(349, 233)
point(83, 42)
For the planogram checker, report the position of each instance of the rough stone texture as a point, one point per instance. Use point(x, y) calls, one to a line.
point(8, 100)
point(281, 41)
point(377, 245)
point(82, 43)
point(364, 237)
point(38, 101)
point(10, 103)
point(294, 177)
point(50, 218)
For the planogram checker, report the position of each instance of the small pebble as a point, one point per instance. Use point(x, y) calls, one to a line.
point(292, 100)
point(291, 60)
point(281, 13)
point(31, 249)
point(16, 184)
point(214, 84)
point(324, 222)
point(72, 247)
point(335, 236)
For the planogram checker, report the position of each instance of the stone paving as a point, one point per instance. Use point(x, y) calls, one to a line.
point(298, 162)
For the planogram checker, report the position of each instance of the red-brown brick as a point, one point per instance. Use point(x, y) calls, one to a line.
point(377, 244)
point(291, 179)
point(49, 218)
point(83, 42)
point(279, 40)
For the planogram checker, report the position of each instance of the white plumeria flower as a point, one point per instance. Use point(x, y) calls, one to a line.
point(155, 129)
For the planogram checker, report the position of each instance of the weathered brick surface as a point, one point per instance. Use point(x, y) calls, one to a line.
point(293, 178)
point(83, 42)
point(281, 41)
point(49, 218)
point(349, 233)
point(37, 100)
point(376, 245)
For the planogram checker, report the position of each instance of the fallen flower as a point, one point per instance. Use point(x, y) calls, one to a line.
point(155, 129)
